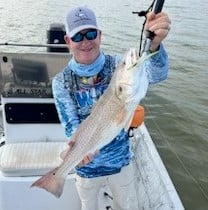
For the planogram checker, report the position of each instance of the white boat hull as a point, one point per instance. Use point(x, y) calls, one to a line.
point(154, 187)
point(16, 194)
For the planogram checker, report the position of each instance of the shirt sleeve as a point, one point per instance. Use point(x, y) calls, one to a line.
point(157, 66)
point(65, 106)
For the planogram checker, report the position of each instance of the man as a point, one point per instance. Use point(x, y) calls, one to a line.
point(80, 84)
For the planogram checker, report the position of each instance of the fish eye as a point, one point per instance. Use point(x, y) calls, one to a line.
point(120, 89)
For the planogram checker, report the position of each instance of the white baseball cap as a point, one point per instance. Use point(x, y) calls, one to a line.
point(80, 18)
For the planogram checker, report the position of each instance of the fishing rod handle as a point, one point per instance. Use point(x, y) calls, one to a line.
point(158, 6)
point(149, 34)
point(156, 9)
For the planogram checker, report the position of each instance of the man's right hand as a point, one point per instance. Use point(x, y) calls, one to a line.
point(88, 158)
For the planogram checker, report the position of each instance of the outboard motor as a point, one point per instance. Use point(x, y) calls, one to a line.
point(55, 35)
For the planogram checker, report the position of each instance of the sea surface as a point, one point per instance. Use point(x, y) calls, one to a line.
point(176, 109)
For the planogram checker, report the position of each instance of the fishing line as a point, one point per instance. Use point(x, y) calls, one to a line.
point(164, 138)
point(143, 13)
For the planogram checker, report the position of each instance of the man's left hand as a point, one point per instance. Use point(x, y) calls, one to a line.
point(160, 25)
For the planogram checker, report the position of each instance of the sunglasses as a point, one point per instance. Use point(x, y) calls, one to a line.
point(89, 35)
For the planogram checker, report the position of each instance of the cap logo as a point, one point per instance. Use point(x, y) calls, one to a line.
point(81, 16)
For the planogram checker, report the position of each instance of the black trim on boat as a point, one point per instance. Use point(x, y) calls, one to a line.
point(31, 113)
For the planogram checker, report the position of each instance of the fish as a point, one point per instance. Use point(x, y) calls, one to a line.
point(110, 114)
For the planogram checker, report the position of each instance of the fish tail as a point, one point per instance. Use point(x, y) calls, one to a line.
point(52, 182)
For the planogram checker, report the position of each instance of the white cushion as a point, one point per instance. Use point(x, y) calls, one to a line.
point(30, 159)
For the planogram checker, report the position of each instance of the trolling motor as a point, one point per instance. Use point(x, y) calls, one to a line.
point(156, 7)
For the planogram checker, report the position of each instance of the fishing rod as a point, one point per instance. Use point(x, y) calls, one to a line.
point(156, 6)
point(34, 45)
point(149, 34)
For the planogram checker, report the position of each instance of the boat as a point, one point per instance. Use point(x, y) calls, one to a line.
point(33, 138)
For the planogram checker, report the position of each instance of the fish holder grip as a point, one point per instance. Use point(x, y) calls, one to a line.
point(150, 34)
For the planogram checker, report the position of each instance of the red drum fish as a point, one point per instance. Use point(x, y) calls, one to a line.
point(110, 114)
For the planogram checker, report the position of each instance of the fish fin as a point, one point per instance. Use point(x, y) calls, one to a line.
point(64, 153)
point(51, 182)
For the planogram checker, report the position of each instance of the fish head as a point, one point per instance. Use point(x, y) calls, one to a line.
point(130, 81)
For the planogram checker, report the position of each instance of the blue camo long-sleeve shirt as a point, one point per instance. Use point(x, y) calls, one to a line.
point(74, 99)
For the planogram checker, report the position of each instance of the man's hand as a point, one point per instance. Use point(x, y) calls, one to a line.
point(160, 25)
point(88, 158)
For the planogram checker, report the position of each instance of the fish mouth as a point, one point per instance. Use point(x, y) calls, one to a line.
point(132, 66)
point(143, 58)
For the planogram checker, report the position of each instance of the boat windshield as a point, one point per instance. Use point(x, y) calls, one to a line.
point(29, 75)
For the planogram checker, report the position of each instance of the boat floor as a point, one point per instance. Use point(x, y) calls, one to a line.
point(154, 188)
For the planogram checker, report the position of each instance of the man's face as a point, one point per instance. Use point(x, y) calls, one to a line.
point(85, 51)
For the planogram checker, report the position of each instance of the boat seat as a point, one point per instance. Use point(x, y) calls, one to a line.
point(30, 159)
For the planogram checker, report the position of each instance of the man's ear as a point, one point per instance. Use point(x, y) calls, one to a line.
point(100, 35)
point(67, 39)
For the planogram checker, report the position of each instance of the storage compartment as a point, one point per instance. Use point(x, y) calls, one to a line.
point(31, 120)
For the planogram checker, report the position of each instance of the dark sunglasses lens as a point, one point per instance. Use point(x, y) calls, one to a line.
point(90, 35)
point(77, 37)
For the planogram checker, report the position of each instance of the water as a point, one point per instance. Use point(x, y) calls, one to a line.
point(176, 110)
